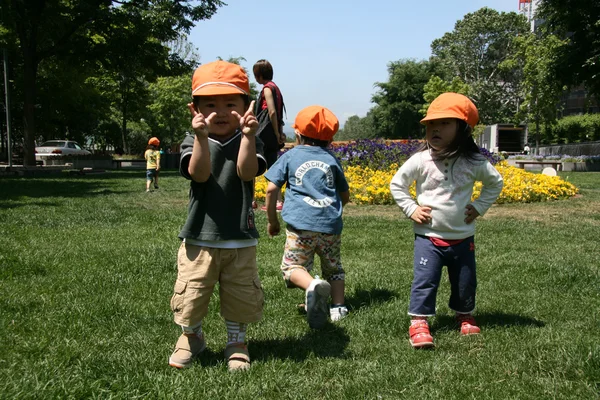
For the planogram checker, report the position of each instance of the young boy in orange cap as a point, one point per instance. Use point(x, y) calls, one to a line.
point(316, 192)
point(221, 159)
point(152, 156)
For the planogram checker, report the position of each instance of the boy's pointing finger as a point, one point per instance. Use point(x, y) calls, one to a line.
point(192, 109)
point(251, 108)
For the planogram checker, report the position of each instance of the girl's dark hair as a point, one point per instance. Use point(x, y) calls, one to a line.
point(245, 97)
point(312, 142)
point(462, 145)
point(264, 69)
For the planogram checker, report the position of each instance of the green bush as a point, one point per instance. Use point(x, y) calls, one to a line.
point(577, 129)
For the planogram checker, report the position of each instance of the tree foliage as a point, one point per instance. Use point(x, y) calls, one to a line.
point(358, 128)
point(540, 89)
point(123, 38)
point(168, 111)
point(437, 86)
point(474, 50)
point(579, 21)
point(398, 101)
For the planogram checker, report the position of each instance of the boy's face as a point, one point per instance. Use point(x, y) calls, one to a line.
point(217, 112)
point(441, 132)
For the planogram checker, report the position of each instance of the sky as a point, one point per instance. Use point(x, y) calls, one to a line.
point(330, 52)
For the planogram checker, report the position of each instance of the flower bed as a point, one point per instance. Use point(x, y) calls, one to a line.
point(370, 165)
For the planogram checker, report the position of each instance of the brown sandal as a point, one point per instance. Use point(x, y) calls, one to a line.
point(238, 358)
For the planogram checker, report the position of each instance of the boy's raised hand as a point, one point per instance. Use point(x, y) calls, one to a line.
point(248, 123)
point(199, 122)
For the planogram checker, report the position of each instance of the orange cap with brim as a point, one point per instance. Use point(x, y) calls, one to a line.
point(220, 77)
point(154, 141)
point(316, 122)
point(452, 105)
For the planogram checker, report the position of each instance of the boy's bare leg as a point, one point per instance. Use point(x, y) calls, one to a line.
point(301, 278)
point(337, 292)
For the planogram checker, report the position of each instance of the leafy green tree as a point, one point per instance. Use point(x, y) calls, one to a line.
point(437, 86)
point(36, 30)
point(169, 113)
point(398, 101)
point(473, 51)
point(358, 128)
point(541, 90)
point(579, 21)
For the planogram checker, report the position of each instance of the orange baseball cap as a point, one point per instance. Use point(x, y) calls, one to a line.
point(452, 105)
point(316, 122)
point(220, 77)
point(154, 141)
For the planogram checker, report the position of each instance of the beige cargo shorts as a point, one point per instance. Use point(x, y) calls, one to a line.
point(199, 270)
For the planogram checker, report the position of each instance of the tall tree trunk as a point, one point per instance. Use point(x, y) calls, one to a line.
point(124, 120)
point(29, 96)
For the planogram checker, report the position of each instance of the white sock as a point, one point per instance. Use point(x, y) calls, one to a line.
point(236, 332)
point(191, 330)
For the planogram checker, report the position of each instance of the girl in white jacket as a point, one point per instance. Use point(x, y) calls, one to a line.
point(445, 170)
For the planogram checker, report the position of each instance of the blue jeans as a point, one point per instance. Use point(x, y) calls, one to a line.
point(151, 174)
point(428, 263)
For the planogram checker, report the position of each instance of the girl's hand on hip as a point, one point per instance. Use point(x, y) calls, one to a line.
point(199, 122)
point(422, 215)
point(248, 123)
point(471, 213)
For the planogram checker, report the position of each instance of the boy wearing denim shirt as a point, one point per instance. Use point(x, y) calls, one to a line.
point(315, 194)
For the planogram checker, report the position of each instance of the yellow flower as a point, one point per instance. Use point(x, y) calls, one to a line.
point(369, 186)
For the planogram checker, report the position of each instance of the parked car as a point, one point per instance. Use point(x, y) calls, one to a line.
point(60, 148)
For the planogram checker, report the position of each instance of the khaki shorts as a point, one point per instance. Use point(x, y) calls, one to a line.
point(200, 268)
point(300, 249)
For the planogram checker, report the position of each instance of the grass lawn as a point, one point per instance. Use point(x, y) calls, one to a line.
point(88, 263)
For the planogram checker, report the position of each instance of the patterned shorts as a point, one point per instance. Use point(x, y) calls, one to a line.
point(300, 249)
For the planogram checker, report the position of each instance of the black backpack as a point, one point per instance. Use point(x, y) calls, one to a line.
point(265, 131)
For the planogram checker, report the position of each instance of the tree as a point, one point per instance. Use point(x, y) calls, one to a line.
point(437, 86)
point(39, 29)
point(473, 52)
point(358, 128)
point(168, 109)
point(541, 90)
point(398, 101)
point(579, 21)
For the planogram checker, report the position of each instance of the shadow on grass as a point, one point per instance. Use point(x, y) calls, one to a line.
point(366, 298)
point(487, 321)
point(330, 341)
point(64, 185)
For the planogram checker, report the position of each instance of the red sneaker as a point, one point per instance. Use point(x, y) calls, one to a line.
point(420, 338)
point(468, 326)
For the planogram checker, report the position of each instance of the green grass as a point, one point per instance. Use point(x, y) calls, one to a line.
point(87, 266)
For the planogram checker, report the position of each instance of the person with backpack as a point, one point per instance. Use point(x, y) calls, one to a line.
point(269, 113)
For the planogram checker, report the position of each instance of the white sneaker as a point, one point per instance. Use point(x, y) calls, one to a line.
point(338, 312)
point(317, 303)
